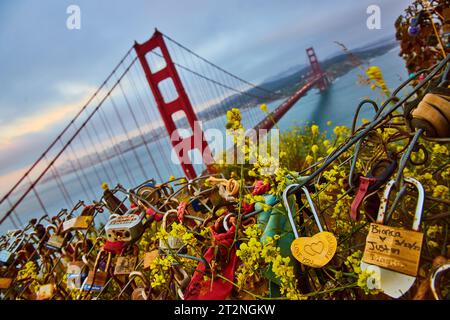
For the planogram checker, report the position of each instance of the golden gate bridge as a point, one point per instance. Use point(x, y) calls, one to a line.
point(122, 133)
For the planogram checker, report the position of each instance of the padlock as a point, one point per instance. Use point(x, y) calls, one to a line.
point(392, 253)
point(76, 269)
point(97, 279)
point(446, 27)
point(149, 257)
point(148, 195)
point(45, 292)
point(7, 255)
point(182, 280)
point(172, 244)
point(5, 282)
point(126, 228)
point(140, 293)
point(57, 240)
point(433, 113)
point(125, 264)
point(368, 186)
point(82, 222)
point(315, 251)
point(435, 279)
point(111, 202)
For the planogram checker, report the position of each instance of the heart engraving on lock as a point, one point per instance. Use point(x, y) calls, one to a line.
point(315, 251)
point(393, 254)
point(314, 248)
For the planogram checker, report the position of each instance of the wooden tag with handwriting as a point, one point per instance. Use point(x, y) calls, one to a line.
point(393, 248)
point(315, 251)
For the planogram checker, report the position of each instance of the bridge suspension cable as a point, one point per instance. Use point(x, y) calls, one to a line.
point(119, 136)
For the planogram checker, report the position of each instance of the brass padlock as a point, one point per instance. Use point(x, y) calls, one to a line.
point(433, 113)
point(315, 251)
point(139, 292)
point(392, 253)
point(149, 257)
point(5, 283)
point(82, 222)
point(57, 240)
point(125, 264)
point(111, 202)
point(45, 292)
point(97, 279)
point(76, 269)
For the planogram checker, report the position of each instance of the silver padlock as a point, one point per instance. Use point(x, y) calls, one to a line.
point(393, 283)
point(7, 255)
point(125, 228)
point(173, 244)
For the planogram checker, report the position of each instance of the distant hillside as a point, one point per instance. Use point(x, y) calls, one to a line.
point(282, 86)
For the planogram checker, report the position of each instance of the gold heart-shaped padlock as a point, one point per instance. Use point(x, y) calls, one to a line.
point(315, 251)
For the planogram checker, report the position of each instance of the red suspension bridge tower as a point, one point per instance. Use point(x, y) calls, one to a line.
point(127, 129)
point(317, 69)
point(181, 104)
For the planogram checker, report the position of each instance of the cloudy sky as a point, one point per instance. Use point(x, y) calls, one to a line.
point(47, 71)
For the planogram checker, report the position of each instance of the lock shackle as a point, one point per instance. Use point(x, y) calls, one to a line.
point(437, 273)
point(288, 208)
point(419, 206)
point(77, 250)
point(56, 220)
point(381, 178)
point(225, 222)
point(181, 277)
point(90, 210)
point(131, 277)
point(139, 194)
point(311, 204)
point(17, 242)
point(79, 204)
point(197, 192)
point(130, 250)
point(149, 182)
point(52, 227)
point(99, 256)
point(174, 212)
